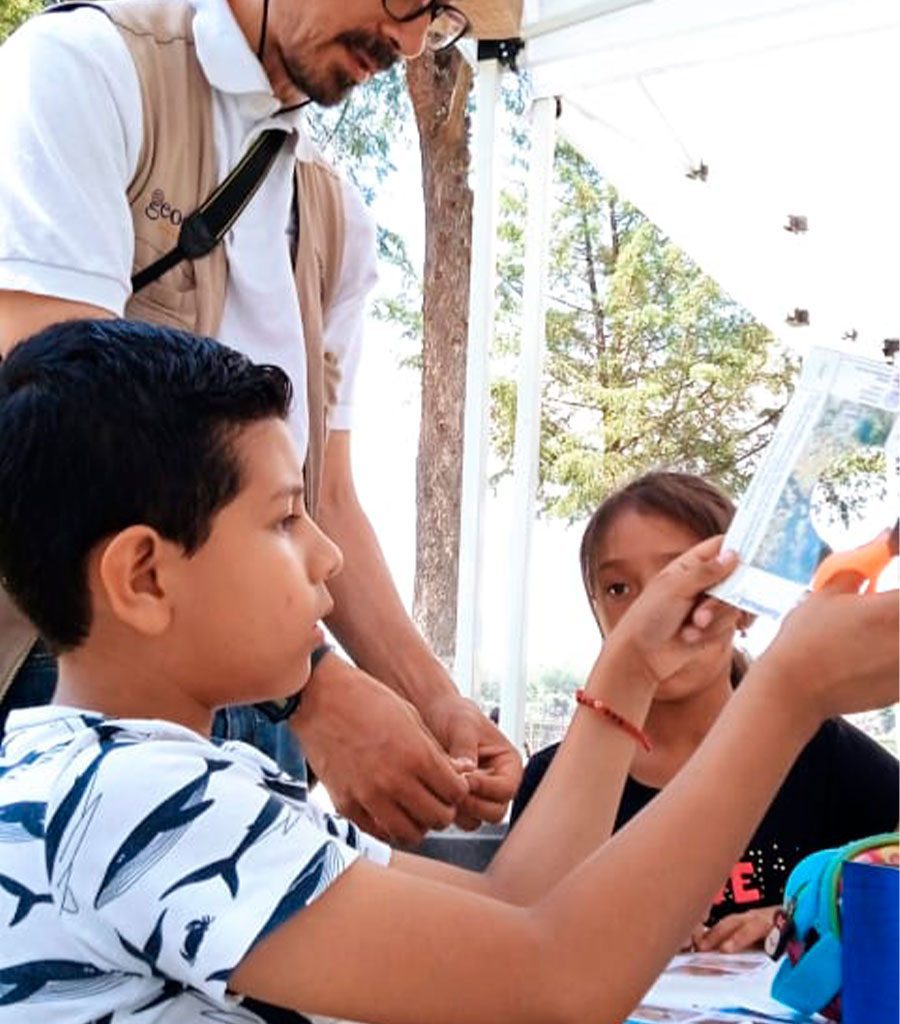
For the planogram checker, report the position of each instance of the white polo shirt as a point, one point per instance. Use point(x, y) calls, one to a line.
point(71, 128)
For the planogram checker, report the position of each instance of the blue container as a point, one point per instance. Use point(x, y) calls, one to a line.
point(870, 914)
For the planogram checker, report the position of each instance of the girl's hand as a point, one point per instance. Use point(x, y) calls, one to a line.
point(735, 932)
point(670, 623)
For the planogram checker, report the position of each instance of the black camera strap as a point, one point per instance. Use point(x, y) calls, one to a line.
point(203, 229)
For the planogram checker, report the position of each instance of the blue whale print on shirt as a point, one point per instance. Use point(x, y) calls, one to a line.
point(156, 835)
point(53, 981)
point(69, 805)
point(22, 822)
point(25, 897)
point(149, 955)
point(226, 868)
point(324, 865)
point(284, 785)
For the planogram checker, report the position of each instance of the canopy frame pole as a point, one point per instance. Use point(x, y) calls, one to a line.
point(526, 454)
point(482, 282)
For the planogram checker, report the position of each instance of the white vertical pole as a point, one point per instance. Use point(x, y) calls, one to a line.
point(481, 333)
point(528, 414)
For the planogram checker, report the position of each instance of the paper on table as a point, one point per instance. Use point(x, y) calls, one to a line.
point(844, 414)
point(701, 988)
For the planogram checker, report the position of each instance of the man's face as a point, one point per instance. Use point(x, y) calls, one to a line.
point(322, 48)
point(248, 601)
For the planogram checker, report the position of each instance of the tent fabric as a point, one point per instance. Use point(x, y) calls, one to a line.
point(722, 122)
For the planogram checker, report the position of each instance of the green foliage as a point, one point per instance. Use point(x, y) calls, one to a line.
point(359, 137)
point(14, 12)
point(648, 363)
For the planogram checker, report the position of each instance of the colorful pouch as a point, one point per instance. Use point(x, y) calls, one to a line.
point(808, 926)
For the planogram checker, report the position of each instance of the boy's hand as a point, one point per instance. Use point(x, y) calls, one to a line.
point(370, 748)
point(837, 652)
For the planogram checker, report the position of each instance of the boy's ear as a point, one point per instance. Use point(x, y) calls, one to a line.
point(131, 570)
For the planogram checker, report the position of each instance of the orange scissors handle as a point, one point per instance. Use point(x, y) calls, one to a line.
point(869, 561)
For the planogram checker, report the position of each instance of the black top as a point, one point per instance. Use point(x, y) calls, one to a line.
point(843, 786)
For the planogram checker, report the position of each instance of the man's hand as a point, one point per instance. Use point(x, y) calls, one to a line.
point(372, 751)
point(736, 932)
point(493, 766)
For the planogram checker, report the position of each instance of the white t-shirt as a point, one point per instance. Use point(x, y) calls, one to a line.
point(139, 862)
point(71, 128)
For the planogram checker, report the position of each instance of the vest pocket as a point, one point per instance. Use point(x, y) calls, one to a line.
point(171, 300)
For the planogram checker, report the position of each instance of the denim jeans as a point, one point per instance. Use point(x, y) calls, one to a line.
point(35, 682)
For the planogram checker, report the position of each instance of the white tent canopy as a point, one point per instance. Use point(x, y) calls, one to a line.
point(778, 108)
point(726, 122)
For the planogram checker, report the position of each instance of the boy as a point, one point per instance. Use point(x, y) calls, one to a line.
point(149, 875)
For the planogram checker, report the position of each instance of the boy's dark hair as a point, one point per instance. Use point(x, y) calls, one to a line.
point(105, 424)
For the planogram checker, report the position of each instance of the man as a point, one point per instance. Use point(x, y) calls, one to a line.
point(72, 136)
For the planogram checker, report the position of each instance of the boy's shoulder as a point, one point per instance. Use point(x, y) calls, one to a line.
point(141, 847)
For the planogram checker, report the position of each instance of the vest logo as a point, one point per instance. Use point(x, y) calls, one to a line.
point(159, 209)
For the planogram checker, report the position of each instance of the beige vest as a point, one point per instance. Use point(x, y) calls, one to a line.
point(176, 171)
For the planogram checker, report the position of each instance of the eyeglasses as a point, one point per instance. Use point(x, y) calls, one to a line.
point(446, 27)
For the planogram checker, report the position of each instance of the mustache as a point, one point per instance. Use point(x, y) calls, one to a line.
point(377, 50)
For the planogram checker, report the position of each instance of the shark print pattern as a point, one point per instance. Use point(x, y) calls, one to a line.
point(156, 835)
point(137, 882)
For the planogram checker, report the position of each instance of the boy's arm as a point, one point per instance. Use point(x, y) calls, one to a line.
point(382, 946)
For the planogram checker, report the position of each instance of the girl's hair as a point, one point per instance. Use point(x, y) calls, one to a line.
point(684, 498)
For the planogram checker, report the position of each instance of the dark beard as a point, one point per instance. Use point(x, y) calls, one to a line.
point(332, 87)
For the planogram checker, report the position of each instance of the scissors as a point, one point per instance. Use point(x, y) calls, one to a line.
point(869, 561)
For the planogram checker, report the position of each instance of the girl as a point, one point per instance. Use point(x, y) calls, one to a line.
point(843, 786)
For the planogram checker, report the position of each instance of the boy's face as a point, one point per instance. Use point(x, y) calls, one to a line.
point(246, 604)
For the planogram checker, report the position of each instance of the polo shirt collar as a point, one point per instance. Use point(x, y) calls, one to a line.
point(231, 66)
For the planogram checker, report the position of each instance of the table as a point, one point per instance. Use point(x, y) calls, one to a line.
point(715, 988)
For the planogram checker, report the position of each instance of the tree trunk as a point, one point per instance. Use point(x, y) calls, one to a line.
point(439, 86)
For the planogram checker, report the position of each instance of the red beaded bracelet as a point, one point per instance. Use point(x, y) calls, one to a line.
point(618, 720)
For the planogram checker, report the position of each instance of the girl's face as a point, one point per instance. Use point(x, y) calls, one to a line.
point(636, 546)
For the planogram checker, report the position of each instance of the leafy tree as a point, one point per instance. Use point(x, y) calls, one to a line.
point(14, 12)
point(432, 312)
point(648, 363)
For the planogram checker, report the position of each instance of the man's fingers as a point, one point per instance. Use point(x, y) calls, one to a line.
point(359, 816)
point(400, 827)
point(437, 773)
point(466, 822)
point(462, 743)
